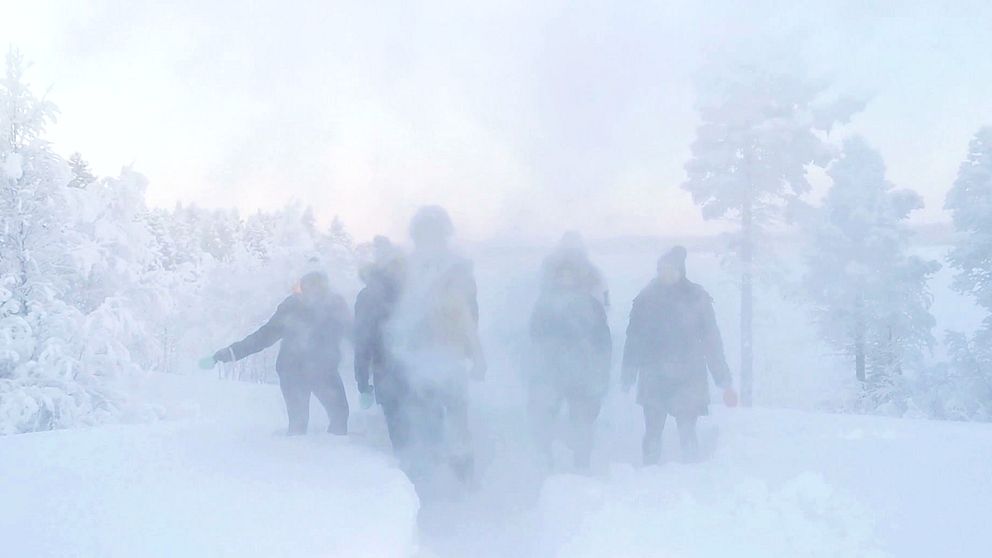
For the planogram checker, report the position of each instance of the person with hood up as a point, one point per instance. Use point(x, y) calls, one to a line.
point(672, 340)
point(572, 347)
point(571, 250)
point(378, 373)
point(435, 335)
point(310, 323)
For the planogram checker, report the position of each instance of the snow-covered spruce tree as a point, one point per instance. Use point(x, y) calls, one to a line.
point(120, 267)
point(970, 204)
point(56, 362)
point(82, 176)
point(35, 208)
point(960, 389)
point(969, 374)
point(869, 296)
point(760, 130)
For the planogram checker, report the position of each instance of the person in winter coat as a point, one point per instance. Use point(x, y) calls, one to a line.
point(672, 340)
point(375, 365)
point(310, 324)
point(571, 250)
point(434, 334)
point(572, 347)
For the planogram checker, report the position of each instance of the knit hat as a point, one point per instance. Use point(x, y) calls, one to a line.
point(674, 257)
point(431, 221)
point(315, 282)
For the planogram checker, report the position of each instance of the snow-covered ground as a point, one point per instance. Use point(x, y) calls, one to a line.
point(216, 478)
point(775, 483)
point(219, 480)
point(787, 483)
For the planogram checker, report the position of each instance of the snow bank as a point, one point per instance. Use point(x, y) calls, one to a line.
point(701, 512)
point(780, 483)
point(222, 484)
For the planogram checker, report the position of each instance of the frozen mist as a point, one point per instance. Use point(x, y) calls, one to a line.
point(216, 478)
point(329, 278)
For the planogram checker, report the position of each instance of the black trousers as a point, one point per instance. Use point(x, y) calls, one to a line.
point(545, 404)
point(655, 417)
point(329, 390)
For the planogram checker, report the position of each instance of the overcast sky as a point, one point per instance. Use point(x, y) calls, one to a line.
point(525, 118)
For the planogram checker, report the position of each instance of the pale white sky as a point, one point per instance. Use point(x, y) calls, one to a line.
point(525, 118)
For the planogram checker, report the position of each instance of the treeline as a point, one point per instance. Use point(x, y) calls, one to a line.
point(761, 134)
point(95, 286)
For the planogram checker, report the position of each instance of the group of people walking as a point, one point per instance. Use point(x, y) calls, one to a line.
point(415, 333)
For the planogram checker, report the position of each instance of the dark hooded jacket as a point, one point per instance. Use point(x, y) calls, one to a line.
point(672, 340)
point(374, 307)
point(310, 330)
point(571, 342)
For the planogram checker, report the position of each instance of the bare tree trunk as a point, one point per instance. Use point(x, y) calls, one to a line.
point(747, 304)
point(859, 340)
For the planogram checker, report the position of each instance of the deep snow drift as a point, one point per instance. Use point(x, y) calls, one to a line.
point(775, 483)
point(218, 479)
point(221, 480)
point(787, 483)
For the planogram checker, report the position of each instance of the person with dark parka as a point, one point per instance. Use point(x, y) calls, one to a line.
point(434, 333)
point(378, 372)
point(571, 350)
point(672, 340)
point(310, 323)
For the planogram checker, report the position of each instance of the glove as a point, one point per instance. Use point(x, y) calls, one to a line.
point(224, 355)
point(367, 399)
point(206, 363)
point(729, 397)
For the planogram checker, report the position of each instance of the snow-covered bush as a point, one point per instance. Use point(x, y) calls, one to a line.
point(960, 389)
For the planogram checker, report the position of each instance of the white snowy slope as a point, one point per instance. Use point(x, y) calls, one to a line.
point(217, 479)
point(220, 482)
point(785, 483)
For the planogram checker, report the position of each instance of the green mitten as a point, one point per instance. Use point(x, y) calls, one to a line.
point(367, 399)
point(206, 363)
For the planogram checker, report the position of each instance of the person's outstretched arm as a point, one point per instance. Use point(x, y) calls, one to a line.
point(263, 338)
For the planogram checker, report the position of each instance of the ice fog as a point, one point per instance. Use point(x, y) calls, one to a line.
point(508, 279)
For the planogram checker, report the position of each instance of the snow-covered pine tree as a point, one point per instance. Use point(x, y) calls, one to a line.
point(56, 362)
point(338, 235)
point(82, 176)
point(869, 295)
point(34, 205)
point(760, 130)
point(970, 204)
point(121, 269)
point(969, 374)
